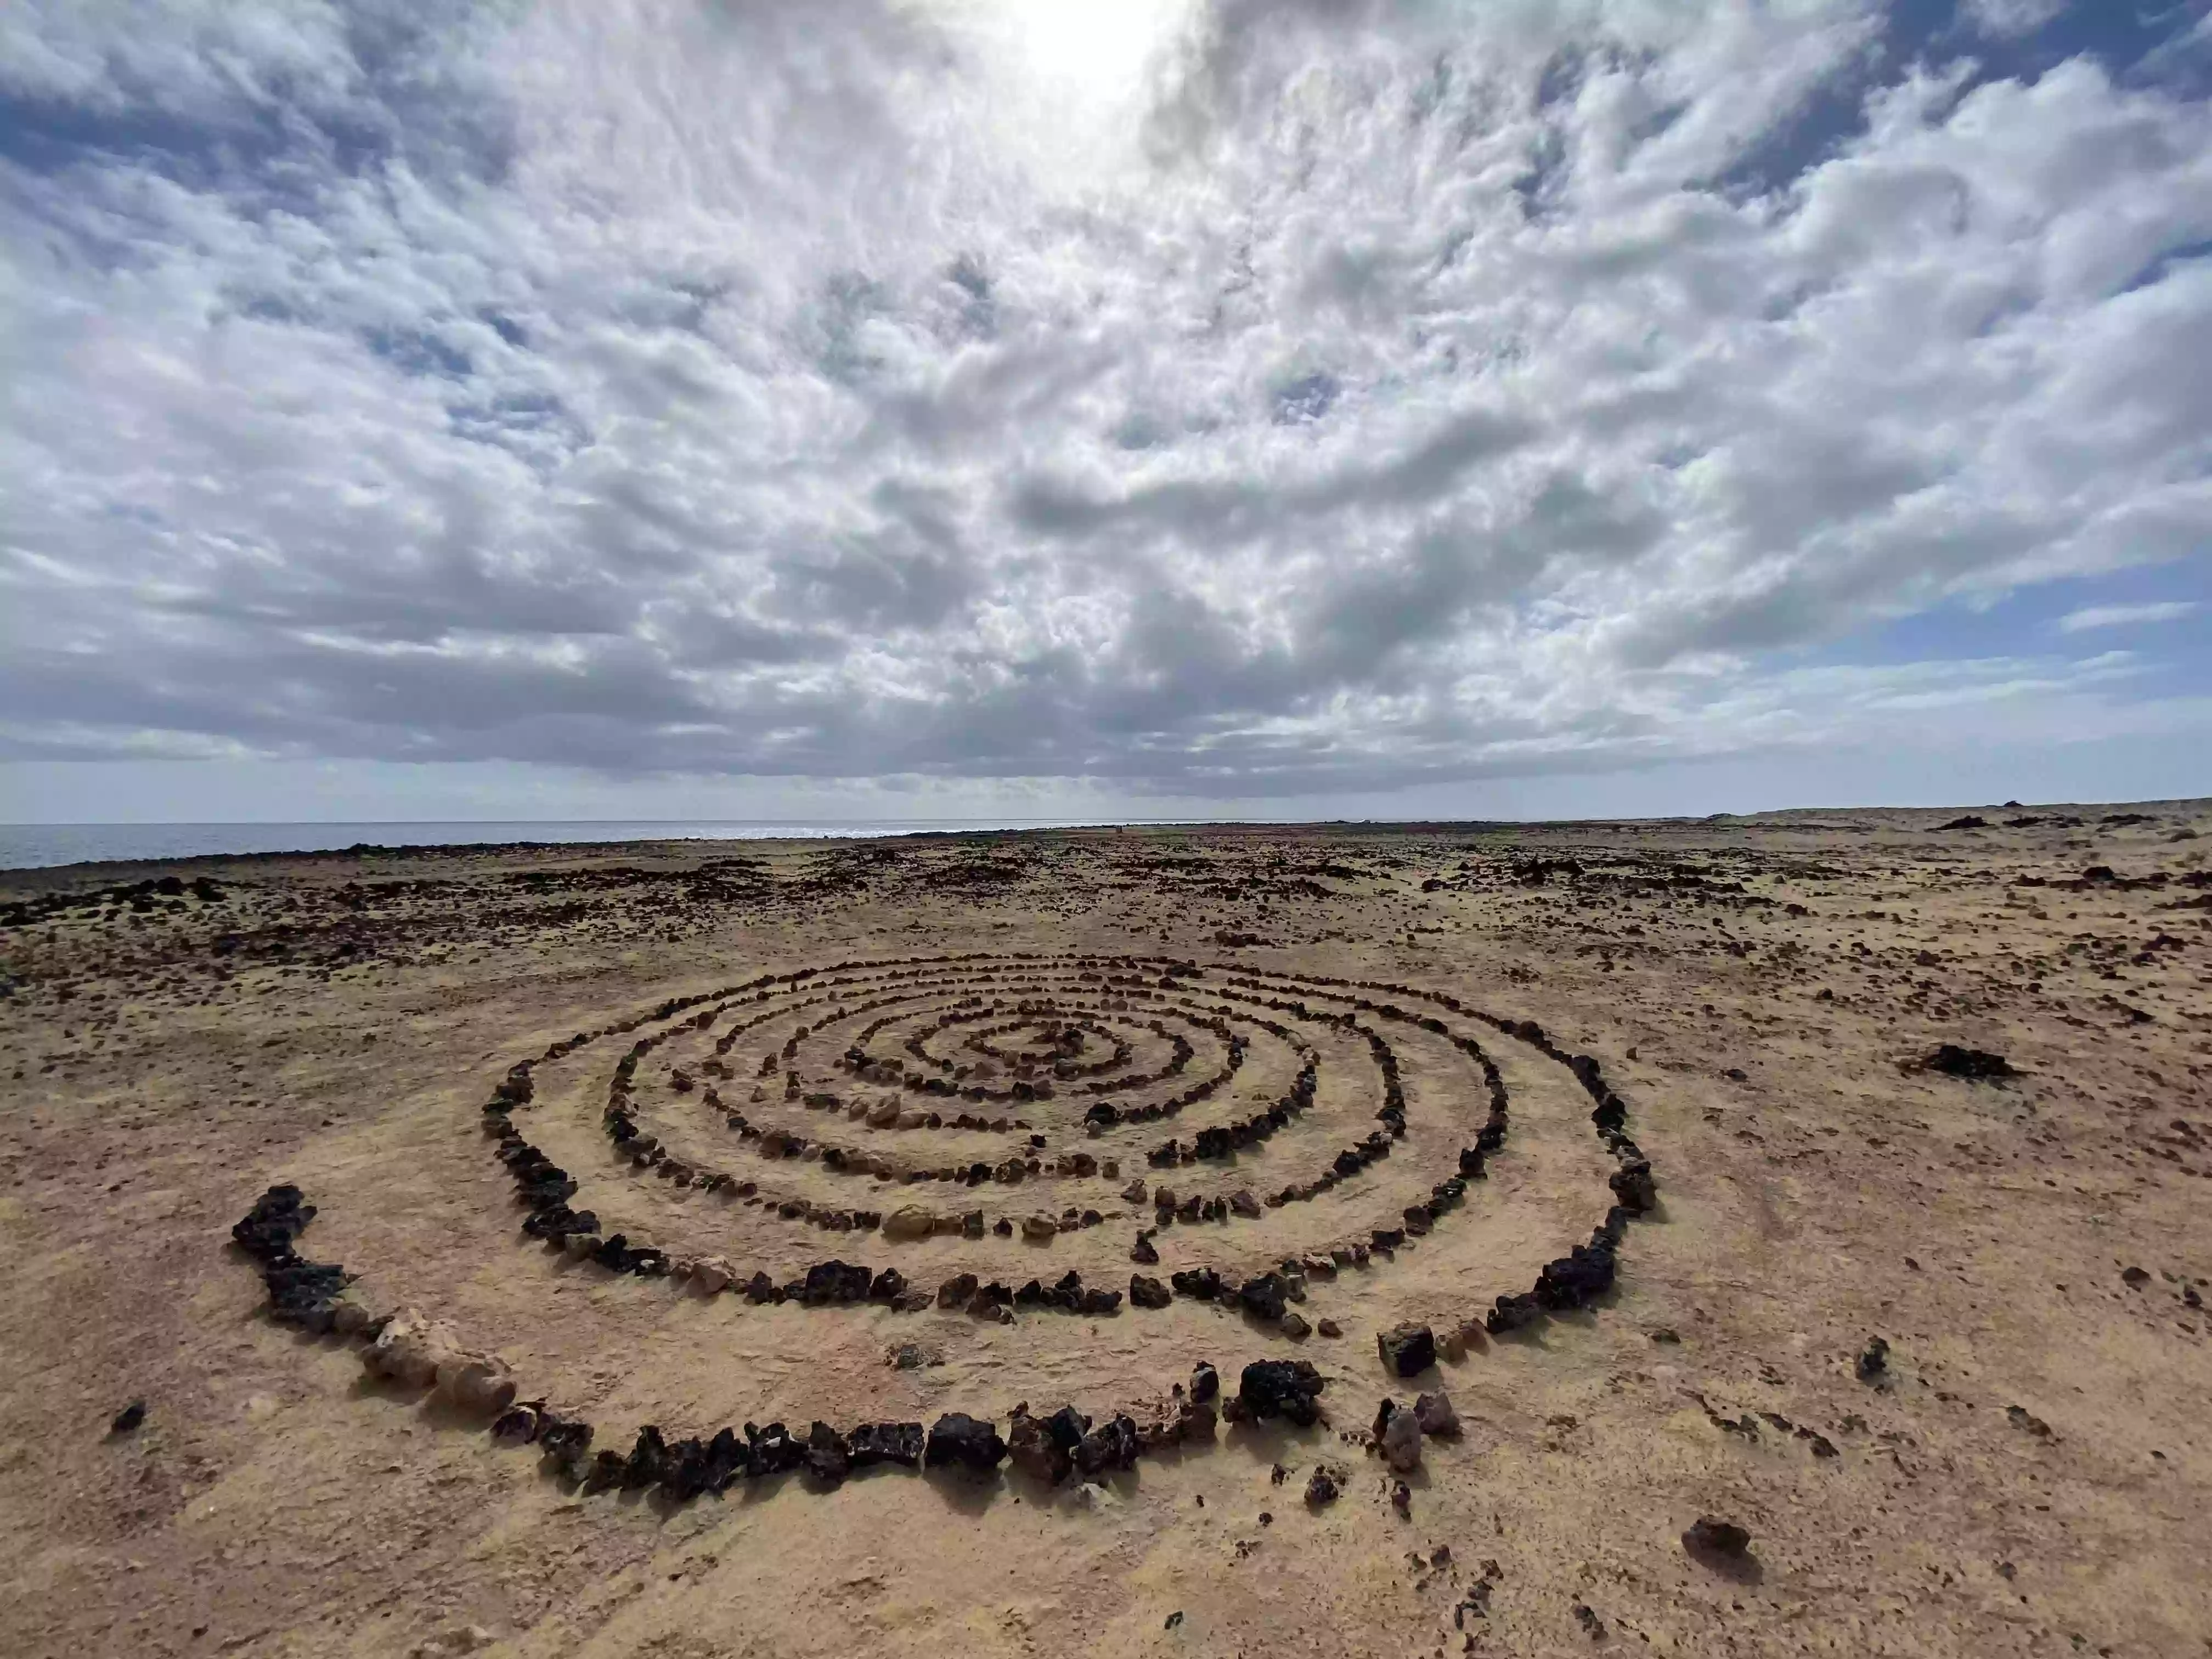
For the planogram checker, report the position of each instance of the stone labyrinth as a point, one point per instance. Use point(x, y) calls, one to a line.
point(942, 1128)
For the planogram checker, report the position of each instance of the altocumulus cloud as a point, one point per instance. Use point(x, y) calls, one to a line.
point(1226, 399)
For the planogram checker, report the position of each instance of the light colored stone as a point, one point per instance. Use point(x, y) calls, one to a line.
point(1401, 1442)
point(476, 1382)
point(407, 1349)
point(416, 1351)
point(910, 1223)
point(712, 1273)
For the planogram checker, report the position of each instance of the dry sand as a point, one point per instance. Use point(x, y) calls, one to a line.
point(2033, 1472)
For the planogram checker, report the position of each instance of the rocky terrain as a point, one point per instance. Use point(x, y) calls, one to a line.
point(1760, 1235)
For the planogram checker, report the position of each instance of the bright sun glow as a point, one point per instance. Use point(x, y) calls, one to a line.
point(1062, 84)
point(1100, 42)
point(1092, 49)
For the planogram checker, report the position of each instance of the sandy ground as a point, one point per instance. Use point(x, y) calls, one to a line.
point(2032, 1473)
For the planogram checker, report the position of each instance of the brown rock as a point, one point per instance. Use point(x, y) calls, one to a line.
point(1434, 1412)
point(1400, 1442)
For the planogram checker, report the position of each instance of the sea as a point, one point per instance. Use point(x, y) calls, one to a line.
point(38, 845)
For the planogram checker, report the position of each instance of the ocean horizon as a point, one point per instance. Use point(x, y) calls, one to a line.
point(45, 846)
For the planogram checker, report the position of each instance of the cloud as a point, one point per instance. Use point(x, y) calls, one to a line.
point(2007, 18)
point(1231, 399)
point(2126, 615)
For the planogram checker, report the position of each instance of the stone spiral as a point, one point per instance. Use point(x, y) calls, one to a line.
point(1006, 1136)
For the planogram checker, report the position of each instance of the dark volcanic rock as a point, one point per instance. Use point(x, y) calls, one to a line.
point(957, 1440)
point(690, 1470)
point(773, 1450)
point(1112, 1445)
point(1716, 1540)
point(1975, 1064)
point(648, 1459)
point(1577, 1279)
point(1282, 1388)
point(128, 1418)
point(607, 1470)
point(1632, 1185)
point(834, 1282)
point(1263, 1297)
point(1513, 1312)
point(560, 1439)
point(1202, 1283)
point(886, 1442)
point(519, 1425)
point(1407, 1350)
point(277, 1218)
point(1874, 1361)
point(829, 1457)
point(1148, 1292)
point(300, 1292)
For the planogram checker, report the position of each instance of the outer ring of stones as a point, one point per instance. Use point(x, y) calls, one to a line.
point(409, 1347)
point(1028, 1014)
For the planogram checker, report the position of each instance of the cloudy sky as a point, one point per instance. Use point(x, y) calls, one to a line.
point(918, 407)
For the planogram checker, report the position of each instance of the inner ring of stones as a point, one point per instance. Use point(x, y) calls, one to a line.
point(917, 1066)
point(973, 1032)
point(1062, 1046)
point(1060, 1109)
